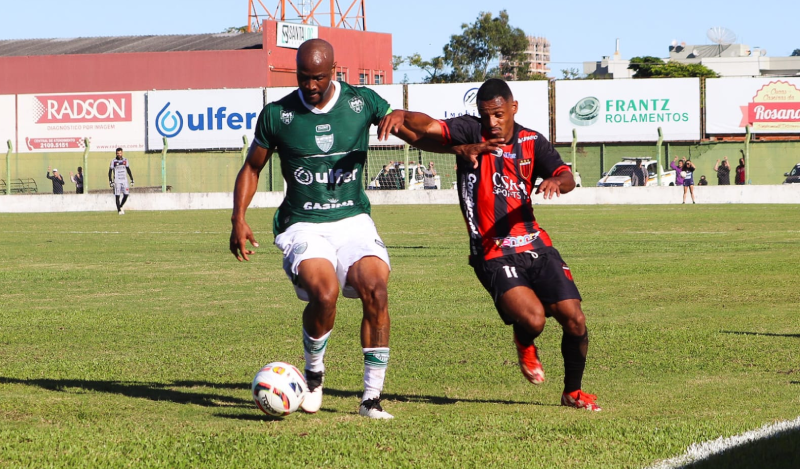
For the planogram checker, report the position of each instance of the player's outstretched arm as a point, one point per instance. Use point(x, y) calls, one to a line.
point(561, 184)
point(245, 188)
point(415, 128)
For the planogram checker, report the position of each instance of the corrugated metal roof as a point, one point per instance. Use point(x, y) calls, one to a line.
point(110, 45)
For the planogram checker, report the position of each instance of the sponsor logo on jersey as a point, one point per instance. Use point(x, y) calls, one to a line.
point(508, 187)
point(324, 142)
point(498, 152)
point(469, 205)
point(516, 241)
point(511, 156)
point(170, 124)
point(300, 248)
point(525, 167)
point(83, 108)
point(333, 176)
point(324, 128)
point(333, 203)
point(303, 176)
point(287, 116)
point(357, 104)
point(528, 137)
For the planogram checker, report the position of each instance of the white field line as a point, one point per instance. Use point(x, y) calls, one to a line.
point(700, 451)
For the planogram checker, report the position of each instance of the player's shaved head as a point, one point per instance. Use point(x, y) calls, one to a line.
point(315, 53)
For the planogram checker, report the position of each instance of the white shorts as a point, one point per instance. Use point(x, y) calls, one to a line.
point(342, 242)
point(121, 188)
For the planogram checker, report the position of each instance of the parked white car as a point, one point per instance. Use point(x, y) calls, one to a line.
point(620, 174)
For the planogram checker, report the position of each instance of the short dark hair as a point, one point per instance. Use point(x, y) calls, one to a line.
point(118, 149)
point(493, 88)
point(80, 169)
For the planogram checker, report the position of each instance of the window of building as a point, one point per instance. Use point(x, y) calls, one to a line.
point(378, 79)
point(363, 79)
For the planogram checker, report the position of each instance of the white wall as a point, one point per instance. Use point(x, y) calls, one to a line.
point(773, 194)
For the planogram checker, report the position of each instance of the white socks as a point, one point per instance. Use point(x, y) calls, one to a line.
point(314, 351)
point(375, 362)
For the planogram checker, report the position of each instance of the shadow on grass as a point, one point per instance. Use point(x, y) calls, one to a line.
point(777, 452)
point(768, 334)
point(152, 391)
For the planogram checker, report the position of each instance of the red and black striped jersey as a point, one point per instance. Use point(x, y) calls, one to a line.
point(495, 197)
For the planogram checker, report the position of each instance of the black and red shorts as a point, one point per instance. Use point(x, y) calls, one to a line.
point(542, 270)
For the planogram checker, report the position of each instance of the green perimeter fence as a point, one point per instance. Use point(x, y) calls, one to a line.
point(181, 171)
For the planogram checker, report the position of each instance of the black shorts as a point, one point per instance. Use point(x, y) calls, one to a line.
point(542, 270)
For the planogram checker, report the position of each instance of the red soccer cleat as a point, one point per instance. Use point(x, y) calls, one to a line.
point(580, 400)
point(529, 362)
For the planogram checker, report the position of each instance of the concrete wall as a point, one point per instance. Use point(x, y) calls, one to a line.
point(781, 194)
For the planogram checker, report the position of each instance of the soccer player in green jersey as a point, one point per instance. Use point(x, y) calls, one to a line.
point(323, 226)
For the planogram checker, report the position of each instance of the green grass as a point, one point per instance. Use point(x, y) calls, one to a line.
point(132, 341)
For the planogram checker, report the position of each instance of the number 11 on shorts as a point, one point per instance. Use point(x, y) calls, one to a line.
point(511, 271)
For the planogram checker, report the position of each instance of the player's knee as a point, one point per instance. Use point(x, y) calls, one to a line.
point(534, 323)
point(576, 324)
point(324, 296)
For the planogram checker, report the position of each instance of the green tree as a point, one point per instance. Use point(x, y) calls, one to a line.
point(653, 67)
point(487, 39)
point(236, 29)
point(571, 73)
point(796, 53)
point(434, 67)
point(397, 60)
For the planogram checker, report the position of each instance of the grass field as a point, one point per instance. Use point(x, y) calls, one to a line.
point(131, 342)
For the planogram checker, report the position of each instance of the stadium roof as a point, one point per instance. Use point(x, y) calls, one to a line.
point(108, 45)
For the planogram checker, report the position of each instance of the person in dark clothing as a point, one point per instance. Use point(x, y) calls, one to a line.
point(58, 181)
point(77, 179)
point(723, 172)
point(740, 173)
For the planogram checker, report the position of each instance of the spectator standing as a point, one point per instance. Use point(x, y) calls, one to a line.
point(77, 179)
point(639, 176)
point(58, 181)
point(677, 166)
point(429, 176)
point(703, 181)
point(723, 172)
point(740, 173)
point(688, 179)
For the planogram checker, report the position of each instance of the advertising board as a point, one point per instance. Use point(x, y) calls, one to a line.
point(767, 105)
point(61, 122)
point(443, 101)
point(202, 119)
point(628, 110)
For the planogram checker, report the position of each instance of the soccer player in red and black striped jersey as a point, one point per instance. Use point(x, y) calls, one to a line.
point(511, 254)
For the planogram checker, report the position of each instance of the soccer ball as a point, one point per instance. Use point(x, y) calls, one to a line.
point(279, 388)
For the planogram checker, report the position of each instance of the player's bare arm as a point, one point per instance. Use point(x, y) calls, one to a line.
point(243, 192)
point(561, 184)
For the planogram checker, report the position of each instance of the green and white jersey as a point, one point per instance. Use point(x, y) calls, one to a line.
point(322, 153)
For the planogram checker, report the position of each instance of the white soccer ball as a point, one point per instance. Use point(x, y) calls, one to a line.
point(279, 388)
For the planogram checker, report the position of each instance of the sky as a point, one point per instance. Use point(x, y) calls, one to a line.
point(578, 30)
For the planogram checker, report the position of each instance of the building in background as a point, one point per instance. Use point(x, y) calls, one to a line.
point(537, 57)
point(728, 60)
point(201, 61)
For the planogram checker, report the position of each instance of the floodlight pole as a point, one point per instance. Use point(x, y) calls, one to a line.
point(8, 167)
point(164, 166)
point(574, 146)
point(85, 165)
point(658, 155)
point(747, 154)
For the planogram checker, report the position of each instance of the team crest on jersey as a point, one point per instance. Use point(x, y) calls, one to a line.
point(525, 168)
point(287, 116)
point(324, 142)
point(300, 248)
point(357, 104)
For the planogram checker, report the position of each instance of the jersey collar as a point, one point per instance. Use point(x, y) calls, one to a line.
point(336, 91)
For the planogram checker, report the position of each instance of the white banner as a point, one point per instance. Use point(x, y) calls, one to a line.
point(391, 93)
point(443, 101)
point(628, 110)
point(8, 121)
point(767, 105)
point(202, 119)
point(291, 35)
point(60, 122)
